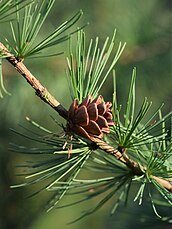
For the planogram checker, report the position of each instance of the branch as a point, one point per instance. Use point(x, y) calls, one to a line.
point(122, 157)
point(166, 184)
point(45, 95)
point(40, 90)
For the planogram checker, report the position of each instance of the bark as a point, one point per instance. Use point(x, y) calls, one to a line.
point(120, 155)
point(40, 90)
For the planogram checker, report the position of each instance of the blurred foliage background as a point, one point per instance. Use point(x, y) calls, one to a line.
point(146, 27)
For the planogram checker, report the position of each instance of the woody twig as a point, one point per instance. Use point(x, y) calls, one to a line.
point(45, 95)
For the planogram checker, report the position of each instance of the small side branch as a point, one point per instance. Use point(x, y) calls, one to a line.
point(40, 90)
point(122, 157)
point(166, 184)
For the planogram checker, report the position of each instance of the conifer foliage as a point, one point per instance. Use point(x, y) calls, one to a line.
point(127, 146)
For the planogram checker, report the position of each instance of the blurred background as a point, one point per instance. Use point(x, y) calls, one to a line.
point(146, 27)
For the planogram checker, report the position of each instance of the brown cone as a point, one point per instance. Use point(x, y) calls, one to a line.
point(91, 118)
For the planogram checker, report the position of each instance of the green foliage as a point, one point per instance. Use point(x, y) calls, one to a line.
point(137, 129)
point(151, 152)
point(30, 17)
point(9, 7)
point(88, 68)
point(58, 161)
point(27, 26)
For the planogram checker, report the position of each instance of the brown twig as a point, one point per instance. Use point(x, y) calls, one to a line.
point(45, 95)
point(166, 184)
point(119, 154)
point(122, 157)
point(40, 90)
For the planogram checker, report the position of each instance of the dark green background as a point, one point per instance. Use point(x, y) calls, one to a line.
point(146, 27)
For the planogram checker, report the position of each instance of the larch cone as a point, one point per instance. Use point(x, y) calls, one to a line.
point(91, 118)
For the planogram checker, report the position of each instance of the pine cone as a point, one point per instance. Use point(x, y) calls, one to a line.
point(91, 118)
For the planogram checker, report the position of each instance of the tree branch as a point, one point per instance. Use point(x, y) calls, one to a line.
point(45, 95)
point(166, 184)
point(122, 157)
point(40, 90)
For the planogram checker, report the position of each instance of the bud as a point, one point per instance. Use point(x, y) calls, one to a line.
point(91, 118)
